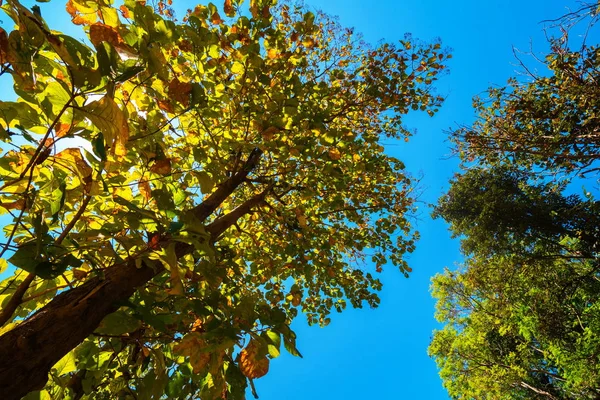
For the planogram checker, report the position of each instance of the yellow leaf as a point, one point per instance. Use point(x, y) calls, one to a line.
point(74, 160)
point(106, 115)
point(272, 53)
point(65, 364)
point(81, 14)
point(193, 347)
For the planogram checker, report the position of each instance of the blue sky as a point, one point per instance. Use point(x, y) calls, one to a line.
point(382, 353)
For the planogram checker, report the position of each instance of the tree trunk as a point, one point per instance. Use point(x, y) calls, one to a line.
point(33, 347)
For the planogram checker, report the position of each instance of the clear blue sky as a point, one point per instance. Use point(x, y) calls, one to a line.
point(382, 353)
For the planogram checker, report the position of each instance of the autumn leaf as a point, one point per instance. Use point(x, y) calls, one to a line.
point(215, 152)
point(272, 53)
point(251, 364)
point(215, 19)
point(229, 9)
point(111, 121)
point(334, 153)
point(124, 11)
point(3, 46)
point(269, 133)
point(73, 158)
point(61, 129)
point(180, 91)
point(103, 33)
point(161, 167)
point(144, 188)
point(14, 205)
point(193, 346)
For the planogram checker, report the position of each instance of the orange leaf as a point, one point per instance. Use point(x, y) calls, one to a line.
point(272, 53)
point(229, 10)
point(161, 167)
point(144, 188)
point(269, 133)
point(251, 365)
point(334, 154)
point(166, 105)
point(180, 91)
point(154, 242)
point(215, 19)
point(124, 11)
point(61, 129)
point(103, 33)
point(14, 205)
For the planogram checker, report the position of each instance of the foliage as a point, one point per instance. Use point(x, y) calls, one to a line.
point(234, 159)
point(547, 121)
point(510, 212)
point(522, 314)
point(519, 329)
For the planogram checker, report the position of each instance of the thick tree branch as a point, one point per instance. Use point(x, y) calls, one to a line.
point(208, 206)
point(220, 225)
point(28, 351)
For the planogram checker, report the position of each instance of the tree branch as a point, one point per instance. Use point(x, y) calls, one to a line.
point(208, 206)
point(16, 299)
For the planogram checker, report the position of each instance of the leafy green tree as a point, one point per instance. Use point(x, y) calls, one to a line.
point(505, 211)
point(235, 177)
point(522, 314)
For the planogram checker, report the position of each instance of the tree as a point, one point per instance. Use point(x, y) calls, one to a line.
point(517, 330)
point(546, 121)
point(235, 177)
point(521, 315)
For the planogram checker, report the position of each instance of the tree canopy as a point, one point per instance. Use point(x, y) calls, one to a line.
point(521, 314)
point(235, 177)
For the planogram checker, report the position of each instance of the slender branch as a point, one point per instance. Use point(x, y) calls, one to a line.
point(16, 299)
point(72, 223)
point(36, 155)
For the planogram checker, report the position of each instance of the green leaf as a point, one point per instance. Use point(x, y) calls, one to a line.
point(49, 269)
point(206, 182)
point(41, 395)
point(58, 201)
point(129, 73)
point(26, 257)
point(99, 147)
point(118, 323)
point(66, 364)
